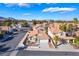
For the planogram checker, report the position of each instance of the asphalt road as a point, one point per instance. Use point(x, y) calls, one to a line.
point(7, 46)
point(46, 53)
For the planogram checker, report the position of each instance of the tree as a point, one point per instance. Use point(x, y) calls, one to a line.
point(56, 39)
point(69, 28)
point(76, 41)
point(25, 23)
point(75, 21)
point(34, 22)
point(46, 28)
point(6, 23)
point(51, 20)
point(63, 27)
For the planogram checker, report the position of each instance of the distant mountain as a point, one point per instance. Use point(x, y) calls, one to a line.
point(2, 18)
point(10, 18)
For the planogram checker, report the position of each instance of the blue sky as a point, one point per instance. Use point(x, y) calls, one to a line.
point(29, 11)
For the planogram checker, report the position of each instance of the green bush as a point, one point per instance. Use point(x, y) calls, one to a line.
point(76, 41)
point(2, 34)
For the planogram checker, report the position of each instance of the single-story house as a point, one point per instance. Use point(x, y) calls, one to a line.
point(5, 28)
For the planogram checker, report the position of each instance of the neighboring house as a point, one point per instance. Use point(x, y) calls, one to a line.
point(33, 33)
point(54, 30)
point(7, 28)
point(37, 30)
point(10, 29)
point(4, 28)
point(30, 23)
point(77, 33)
point(18, 27)
point(14, 27)
point(78, 25)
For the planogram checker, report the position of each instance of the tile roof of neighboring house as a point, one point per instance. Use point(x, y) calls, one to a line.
point(78, 25)
point(54, 28)
point(42, 35)
point(33, 33)
point(37, 26)
point(77, 33)
point(4, 28)
point(36, 30)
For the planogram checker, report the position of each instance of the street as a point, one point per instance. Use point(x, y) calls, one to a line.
point(46, 53)
point(8, 45)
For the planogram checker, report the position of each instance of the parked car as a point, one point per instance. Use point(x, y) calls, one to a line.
point(15, 31)
point(70, 34)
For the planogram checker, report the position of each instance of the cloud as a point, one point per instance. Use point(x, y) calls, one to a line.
point(17, 4)
point(10, 4)
point(23, 5)
point(26, 14)
point(57, 9)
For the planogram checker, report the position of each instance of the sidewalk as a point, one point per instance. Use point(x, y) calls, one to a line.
point(52, 49)
point(64, 47)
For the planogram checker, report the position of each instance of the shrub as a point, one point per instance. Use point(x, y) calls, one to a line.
point(76, 41)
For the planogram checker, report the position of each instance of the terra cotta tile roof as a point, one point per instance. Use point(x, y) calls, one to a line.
point(54, 28)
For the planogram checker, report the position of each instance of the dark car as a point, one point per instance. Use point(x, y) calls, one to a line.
point(15, 31)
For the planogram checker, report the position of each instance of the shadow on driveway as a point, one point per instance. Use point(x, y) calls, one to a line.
point(3, 48)
point(7, 39)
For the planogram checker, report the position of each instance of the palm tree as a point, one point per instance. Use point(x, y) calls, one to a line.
point(75, 21)
point(66, 27)
point(56, 39)
point(46, 28)
point(69, 27)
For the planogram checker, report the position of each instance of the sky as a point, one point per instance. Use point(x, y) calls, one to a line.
point(40, 11)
